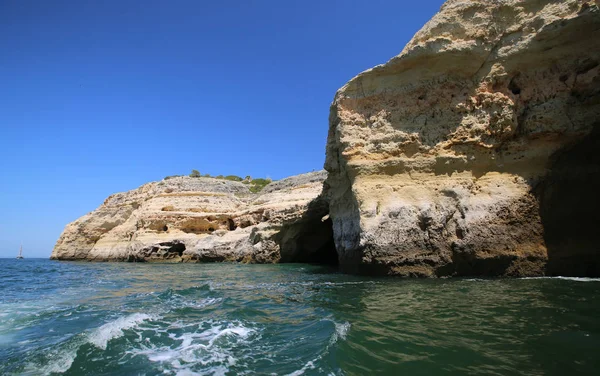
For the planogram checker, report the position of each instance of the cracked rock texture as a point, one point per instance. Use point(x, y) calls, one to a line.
point(475, 150)
point(186, 219)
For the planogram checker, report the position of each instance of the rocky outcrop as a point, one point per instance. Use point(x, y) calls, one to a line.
point(185, 219)
point(474, 151)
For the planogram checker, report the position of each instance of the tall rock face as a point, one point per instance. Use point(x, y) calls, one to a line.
point(476, 150)
point(186, 219)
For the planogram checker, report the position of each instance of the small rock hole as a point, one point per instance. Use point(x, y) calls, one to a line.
point(424, 223)
point(514, 86)
point(231, 224)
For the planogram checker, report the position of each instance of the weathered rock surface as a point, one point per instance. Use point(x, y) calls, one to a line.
point(205, 219)
point(474, 151)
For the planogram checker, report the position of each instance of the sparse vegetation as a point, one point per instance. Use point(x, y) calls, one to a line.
point(254, 185)
point(257, 185)
point(168, 208)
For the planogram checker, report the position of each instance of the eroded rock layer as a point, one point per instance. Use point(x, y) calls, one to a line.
point(474, 151)
point(205, 219)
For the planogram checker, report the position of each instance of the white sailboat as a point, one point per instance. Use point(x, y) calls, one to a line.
point(20, 256)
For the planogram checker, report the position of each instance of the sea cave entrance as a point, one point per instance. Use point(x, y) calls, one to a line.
point(570, 209)
point(310, 240)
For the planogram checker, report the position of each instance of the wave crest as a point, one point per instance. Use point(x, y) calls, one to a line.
point(114, 329)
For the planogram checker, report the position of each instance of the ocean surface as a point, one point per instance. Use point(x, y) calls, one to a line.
point(230, 319)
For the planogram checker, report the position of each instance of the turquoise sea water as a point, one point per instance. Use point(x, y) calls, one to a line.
point(229, 319)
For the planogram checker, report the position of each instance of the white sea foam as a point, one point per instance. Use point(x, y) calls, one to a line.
point(342, 329)
point(202, 303)
point(178, 301)
point(576, 279)
point(340, 332)
point(350, 283)
point(199, 352)
point(60, 364)
point(114, 329)
point(61, 360)
point(307, 366)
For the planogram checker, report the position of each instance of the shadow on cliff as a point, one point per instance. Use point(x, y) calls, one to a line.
point(570, 208)
point(309, 240)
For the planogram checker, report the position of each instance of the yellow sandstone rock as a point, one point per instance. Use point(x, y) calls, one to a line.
point(203, 219)
point(474, 151)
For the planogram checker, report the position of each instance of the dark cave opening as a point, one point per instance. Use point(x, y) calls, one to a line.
point(174, 247)
point(316, 245)
point(231, 224)
point(513, 85)
point(159, 252)
point(570, 209)
point(310, 240)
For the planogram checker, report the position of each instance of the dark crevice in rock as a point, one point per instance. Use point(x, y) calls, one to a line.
point(424, 222)
point(166, 251)
point(309, 240)
point(231, 224)
point(570, 209)
point(513, 86)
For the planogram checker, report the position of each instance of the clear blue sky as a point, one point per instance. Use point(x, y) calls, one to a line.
point(98, 97)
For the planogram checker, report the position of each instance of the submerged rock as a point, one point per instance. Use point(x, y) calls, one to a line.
point(186, 219)
point(474, 151)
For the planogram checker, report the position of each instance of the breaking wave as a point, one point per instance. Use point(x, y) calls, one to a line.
point(204, 348)
point(114, 329)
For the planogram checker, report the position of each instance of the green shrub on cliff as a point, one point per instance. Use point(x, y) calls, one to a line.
point(257, 185)
point(254, 185)
point(171, 177)
point(233, 178)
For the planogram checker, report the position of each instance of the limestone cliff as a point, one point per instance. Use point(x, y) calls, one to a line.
point(474, 151)
point(205, 219)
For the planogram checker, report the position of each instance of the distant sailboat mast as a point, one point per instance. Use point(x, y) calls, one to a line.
point(20, 256)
